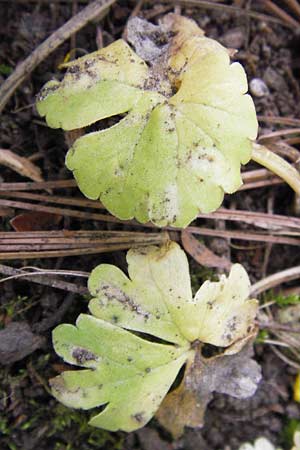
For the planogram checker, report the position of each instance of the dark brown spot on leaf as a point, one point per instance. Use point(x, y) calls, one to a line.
point(82, 355)
point(139, 417)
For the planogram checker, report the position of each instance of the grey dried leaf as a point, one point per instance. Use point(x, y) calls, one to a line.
point(148, 40)
point(237, 375)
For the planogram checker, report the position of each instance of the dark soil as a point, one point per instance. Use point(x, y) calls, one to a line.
point(29, 417)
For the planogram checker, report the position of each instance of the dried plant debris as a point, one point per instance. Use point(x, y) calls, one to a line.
point(202, 254)
point(144, 328)
point(187, 128)
point(21, 165)
point(234, 374)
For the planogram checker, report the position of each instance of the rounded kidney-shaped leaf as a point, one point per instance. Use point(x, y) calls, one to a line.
point(173, 154)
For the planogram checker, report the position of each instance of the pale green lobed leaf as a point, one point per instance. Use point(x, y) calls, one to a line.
point(131, 374)
point(132, 398)
point(225, 313)
point(172, 155)
point(127, 372)
point(91, 87)
point(149, 299)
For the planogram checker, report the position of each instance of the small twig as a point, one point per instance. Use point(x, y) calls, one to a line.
point(260, 175)
point(283, 148)
point(73, 25)
point(72, 273)
point(243, 235)
point(266, 305)
point(61, 211)
point(271, 325)
point(73, 36)
point(275, 280)
point(230, 9)
point(20, 165)
point(273, 342)
point(92, 250)
point(260, 184)
point(76, 235)
point(136, 10)
point(62, 200)
point(251, 176)
point(294, 5)
point(269, 221)
point(38, 186)
point(271, 7)
point(292, 141)
point(44, 280)
point(259, 219)
point(276, 134)
point(154, 12)
point(279, 120)
point(285, 358)
point(269, 246)
point(52, 244)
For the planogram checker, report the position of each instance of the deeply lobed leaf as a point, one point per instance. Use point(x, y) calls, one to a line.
point(187, 129)
point(128, 371)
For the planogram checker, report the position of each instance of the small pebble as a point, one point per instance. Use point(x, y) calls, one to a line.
point(234, 38)
point(258, 87)
point(274, 80)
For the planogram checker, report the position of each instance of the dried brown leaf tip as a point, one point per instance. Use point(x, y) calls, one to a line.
point(233, 374)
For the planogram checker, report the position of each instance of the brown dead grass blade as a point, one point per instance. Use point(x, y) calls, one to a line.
point(20, 165)
point(267, 221)
point(291, 121)
point(231, 9)
point(244, 235)
point(44, 185)
point(275, 280)
point(280, 229)
point(280, 13)
point(201, 254)
point(51, 244)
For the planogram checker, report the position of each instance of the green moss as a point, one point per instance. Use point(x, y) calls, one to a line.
point(280, 299)
point(289, 430)
point(262, 335)
point(17, 306)
point(59, 428)
point(5, 69)
point(78, 434)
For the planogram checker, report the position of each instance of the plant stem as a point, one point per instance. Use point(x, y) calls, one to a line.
point(277, 165)
point(276, 279)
